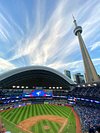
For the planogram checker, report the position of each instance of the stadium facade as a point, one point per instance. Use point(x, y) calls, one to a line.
point(35, 76)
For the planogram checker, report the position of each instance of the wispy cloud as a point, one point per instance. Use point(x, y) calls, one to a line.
point(73, 66)
point(7, 23)
point(49, 39)
point(95, 46)
point(52, 43)
point(5, 65)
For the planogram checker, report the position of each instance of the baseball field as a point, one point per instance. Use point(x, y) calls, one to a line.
point(39, 118)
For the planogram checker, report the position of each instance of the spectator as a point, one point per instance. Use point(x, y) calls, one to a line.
point(89, 116)
point(91, 129)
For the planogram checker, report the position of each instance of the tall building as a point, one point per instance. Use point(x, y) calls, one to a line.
point(67, 73)
point(90, 71)
point(79, 78)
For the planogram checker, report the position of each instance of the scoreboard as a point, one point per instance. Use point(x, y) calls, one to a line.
point(37, 93)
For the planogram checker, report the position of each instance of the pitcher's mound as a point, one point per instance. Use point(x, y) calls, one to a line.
point(46, 127)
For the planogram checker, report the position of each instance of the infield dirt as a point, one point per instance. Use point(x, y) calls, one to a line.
point(26, 124)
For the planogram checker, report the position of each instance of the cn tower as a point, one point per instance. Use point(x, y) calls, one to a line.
point(90, 71)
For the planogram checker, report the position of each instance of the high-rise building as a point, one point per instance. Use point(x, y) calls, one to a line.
point(67, 73)
point(90, 71)
point(79, 78)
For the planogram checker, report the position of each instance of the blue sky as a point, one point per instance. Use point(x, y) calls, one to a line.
point(40, 32)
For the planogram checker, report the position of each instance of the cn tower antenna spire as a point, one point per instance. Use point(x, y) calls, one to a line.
point(74, 20)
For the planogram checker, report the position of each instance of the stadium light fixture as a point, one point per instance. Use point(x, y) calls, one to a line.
point(57, 87)
point(83, 85)
point(89, 84)
point(78, 86)
point(14, 86)
point(18, 86)
point(95, 84)
point(26, 86)
point(22, 86)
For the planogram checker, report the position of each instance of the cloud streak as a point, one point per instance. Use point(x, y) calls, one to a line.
point(6, 65)
point(95, 46)
point(52, 43)
point(75, 66)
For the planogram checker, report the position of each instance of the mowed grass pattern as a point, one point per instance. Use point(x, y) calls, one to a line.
point(15, 116)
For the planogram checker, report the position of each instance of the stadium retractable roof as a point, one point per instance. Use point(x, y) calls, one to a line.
point(35, 76)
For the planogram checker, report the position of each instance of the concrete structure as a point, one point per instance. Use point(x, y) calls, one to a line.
point(67, 73)
point(90, 71)
point(79, 78)
point(38, 76)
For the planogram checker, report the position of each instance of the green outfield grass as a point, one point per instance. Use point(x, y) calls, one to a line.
point(13, 117)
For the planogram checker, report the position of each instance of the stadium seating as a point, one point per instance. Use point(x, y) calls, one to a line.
point(90, 117)
point(89, 112)
point(90, 92)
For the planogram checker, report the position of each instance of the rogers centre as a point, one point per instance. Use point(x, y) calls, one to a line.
point(35, 76)
point(35, 81)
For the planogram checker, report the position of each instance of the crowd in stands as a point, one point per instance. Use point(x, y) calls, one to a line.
point(93, 92)
point(10, 92)
point(90, 118)
point(60, 92)
point(89, 112)
point(58, 102)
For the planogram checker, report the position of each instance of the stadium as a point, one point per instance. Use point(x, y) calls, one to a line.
point(37, 47)
point(40, 99)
